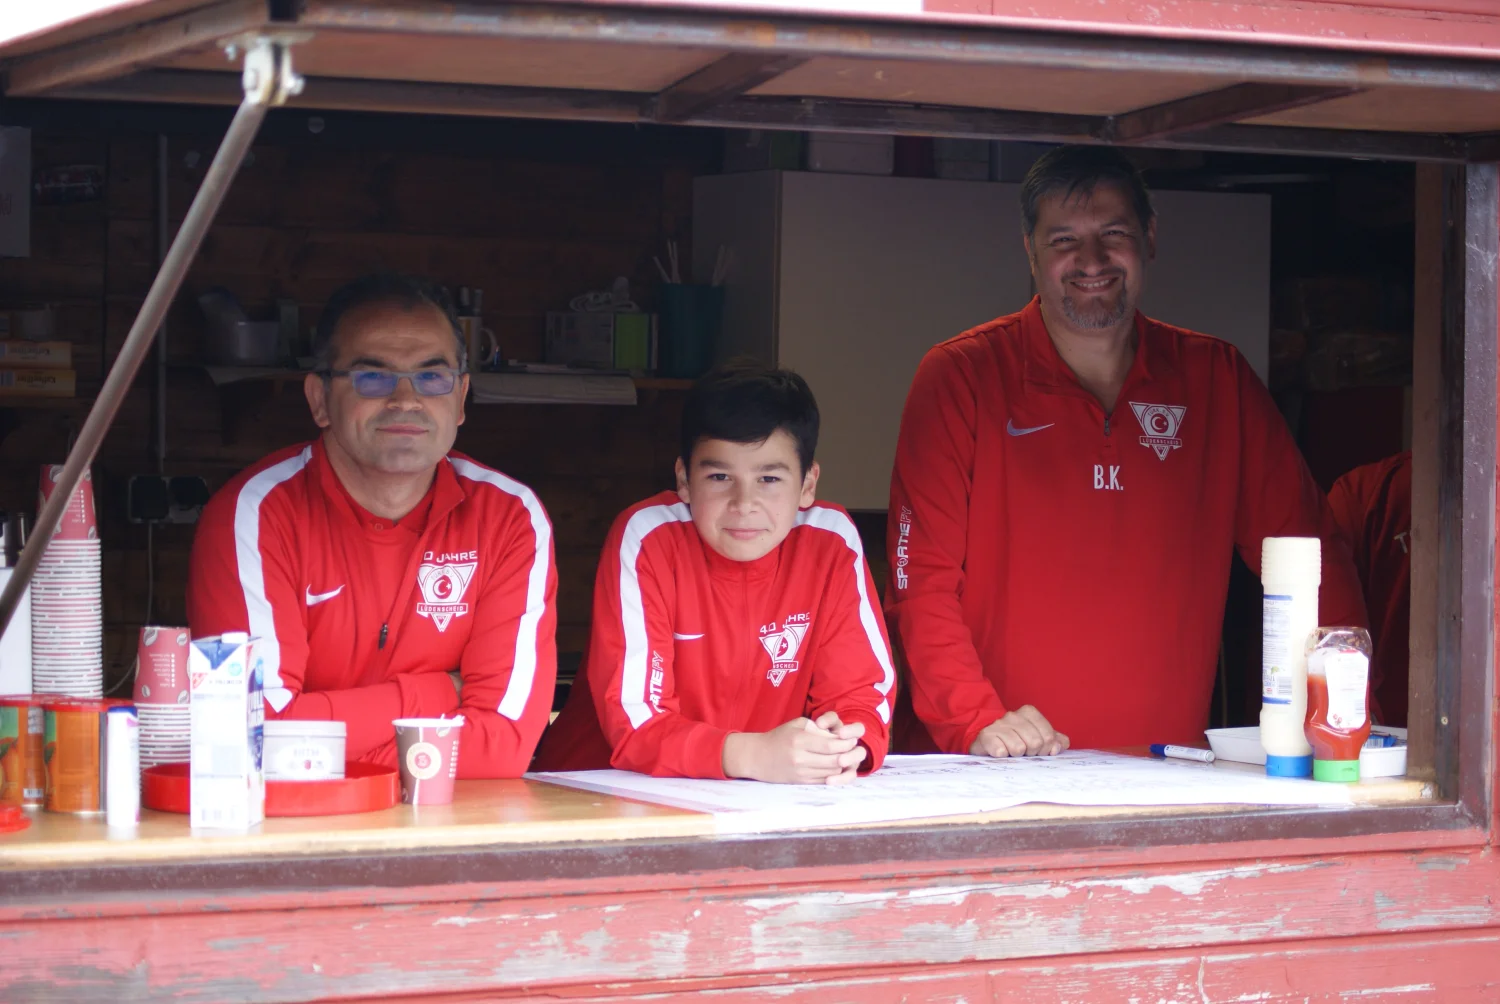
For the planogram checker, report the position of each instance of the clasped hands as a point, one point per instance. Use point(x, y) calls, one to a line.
point(801, 751)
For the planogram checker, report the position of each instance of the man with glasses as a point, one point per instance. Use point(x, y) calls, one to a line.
point(386, 576)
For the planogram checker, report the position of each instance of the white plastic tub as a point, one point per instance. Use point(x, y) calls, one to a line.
point(1240, 745)
point(304, 750)
point(1388, 761)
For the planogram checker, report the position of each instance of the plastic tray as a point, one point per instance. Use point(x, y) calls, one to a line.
point(363, 788)
point(13, 819)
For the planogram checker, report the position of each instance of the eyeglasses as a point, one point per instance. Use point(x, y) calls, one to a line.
point(434, 382)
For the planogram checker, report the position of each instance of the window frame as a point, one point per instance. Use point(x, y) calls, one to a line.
point(1463, 727)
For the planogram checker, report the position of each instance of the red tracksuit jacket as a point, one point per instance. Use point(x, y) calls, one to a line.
point(1373, 507)
point(361, 620)
point(688, 646)
point(1044, 553)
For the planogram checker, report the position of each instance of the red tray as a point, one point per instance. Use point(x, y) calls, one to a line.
point(13, 819)
point(364, 788)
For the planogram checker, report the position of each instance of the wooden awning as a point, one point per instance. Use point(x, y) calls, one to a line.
point(1372, 79)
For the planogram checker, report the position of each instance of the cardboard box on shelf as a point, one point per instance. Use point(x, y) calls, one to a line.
point(38, 383)
point(849, 153)
point(962, 159)
point(762, 150)
point(22, 354)
point(602, 340)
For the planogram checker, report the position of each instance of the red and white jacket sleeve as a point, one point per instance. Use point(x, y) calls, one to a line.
point(853, 674)
point(509, 665)
point(244, 581)
point(630, 656)
point(1279, 498)
point(927, 540)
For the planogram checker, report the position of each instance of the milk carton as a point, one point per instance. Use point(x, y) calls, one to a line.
point(228, 786)
point(15, 646)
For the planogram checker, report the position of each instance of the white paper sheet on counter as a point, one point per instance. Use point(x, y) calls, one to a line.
point(916, 787)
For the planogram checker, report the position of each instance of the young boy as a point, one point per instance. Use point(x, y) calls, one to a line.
point(736, 626)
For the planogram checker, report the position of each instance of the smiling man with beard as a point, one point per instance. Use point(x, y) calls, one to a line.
point(386, 576)
point(1071, 482)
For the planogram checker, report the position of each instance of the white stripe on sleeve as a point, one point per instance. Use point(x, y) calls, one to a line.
point(523, 666)
point(252, 570)
point(632, 610)
point(837, 522)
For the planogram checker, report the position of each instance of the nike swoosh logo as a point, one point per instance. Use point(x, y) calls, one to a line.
point(1010, 427)
point(685, 637)
point(313, 599)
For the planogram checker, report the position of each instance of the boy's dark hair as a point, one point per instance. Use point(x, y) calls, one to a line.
point(1074, 170)
point(383, 287)
point(743, 401)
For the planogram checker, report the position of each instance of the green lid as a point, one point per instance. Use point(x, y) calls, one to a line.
point(1342, 771)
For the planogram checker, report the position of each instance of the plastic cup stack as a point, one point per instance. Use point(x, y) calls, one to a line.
point(67, 605)
point(161, 695)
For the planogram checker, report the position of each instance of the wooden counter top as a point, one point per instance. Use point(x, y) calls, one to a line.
point(482, 812)
point(514, 812)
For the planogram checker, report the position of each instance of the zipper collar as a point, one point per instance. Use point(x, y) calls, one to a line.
point(443, 496)
point(720, 567)
point(1044, 369)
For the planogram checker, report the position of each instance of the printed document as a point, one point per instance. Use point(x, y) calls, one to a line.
point(917, 787)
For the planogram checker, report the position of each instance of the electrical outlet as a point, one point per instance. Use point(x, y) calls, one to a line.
point(152, 498)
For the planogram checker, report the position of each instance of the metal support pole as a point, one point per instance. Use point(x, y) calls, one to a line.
point(268, 80)
point(163, 243)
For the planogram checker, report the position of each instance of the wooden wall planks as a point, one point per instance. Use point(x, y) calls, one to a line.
point(1440, 967)
point(1381, 926)
point(532, 213)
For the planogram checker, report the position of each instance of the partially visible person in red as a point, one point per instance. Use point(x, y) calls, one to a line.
point(1070, 485)
point(1373, 507)
point(736, 631)
point(385, 576)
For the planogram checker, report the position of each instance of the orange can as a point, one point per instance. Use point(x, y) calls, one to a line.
point(23, 768)
point(73, 747)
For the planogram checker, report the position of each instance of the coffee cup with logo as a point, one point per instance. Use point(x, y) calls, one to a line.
point(427, 754)
point(161, 666)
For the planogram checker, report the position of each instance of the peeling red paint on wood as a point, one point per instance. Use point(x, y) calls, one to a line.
point(1451, 968)
point(754, 931)
point(1418, 847)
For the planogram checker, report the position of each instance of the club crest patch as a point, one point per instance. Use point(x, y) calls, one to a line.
point(783, 644)
point(443, 587)
point(1160, 423)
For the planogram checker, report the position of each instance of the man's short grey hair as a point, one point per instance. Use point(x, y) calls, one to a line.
point(384, 287)
point(1077, 170)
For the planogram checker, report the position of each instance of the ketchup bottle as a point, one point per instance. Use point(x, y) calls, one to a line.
point(1338, 700)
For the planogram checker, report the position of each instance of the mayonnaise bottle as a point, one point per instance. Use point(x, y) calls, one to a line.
point(1291, 569)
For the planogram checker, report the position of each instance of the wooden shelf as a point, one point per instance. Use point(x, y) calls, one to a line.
point(284, 376)
point(662, 383)
point(46, 403)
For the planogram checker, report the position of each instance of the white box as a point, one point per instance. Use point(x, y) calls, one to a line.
point(228, 786)
point(15, 647)
point(850, 153)
point(302, 750)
